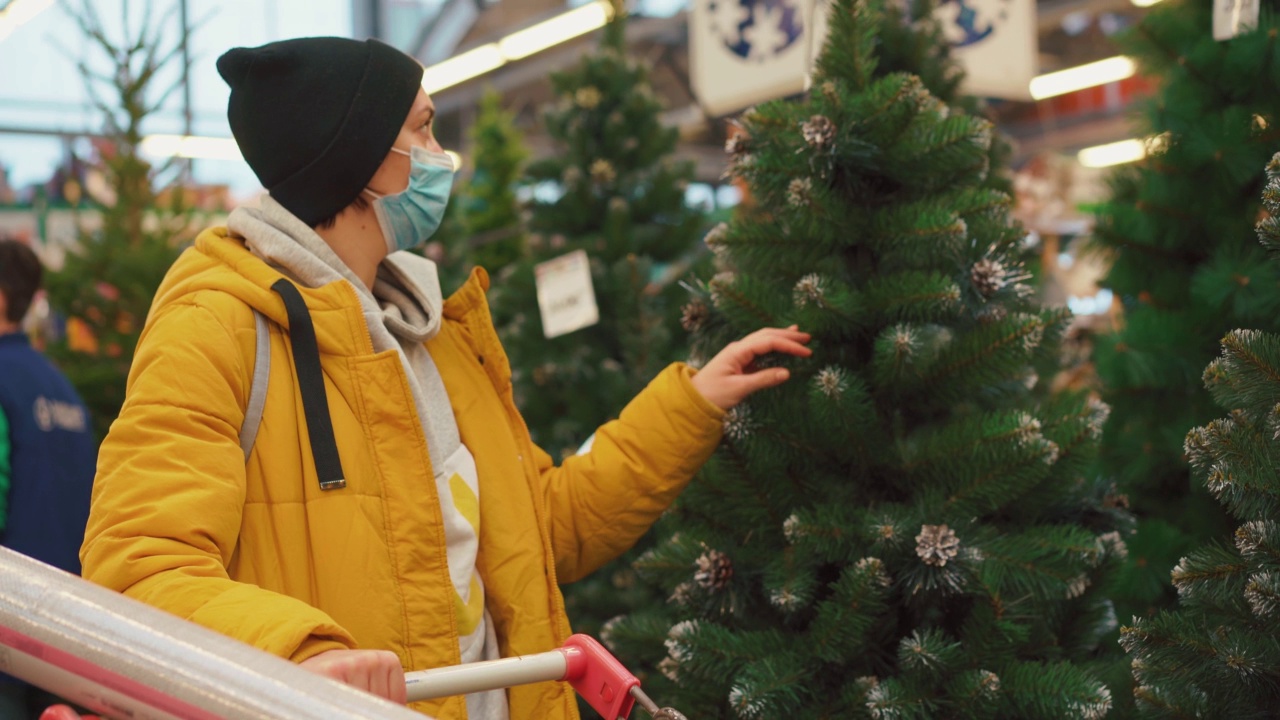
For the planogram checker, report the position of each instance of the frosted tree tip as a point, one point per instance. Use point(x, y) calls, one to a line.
point(831, 381)
point(737, 422)
point(808, 289)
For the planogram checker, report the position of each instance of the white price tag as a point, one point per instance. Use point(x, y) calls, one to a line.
point(1232, 17)
point(566, 298)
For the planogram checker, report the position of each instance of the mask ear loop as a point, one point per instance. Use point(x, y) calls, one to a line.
point(377, 195)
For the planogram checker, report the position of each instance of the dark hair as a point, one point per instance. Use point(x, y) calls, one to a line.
point(360, 203)
point(20, 273)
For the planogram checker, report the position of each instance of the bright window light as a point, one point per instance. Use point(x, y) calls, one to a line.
point(190, 146)
point(561, 28)
point(19, 12)
point(461, 68)
point(1083, 76)
point(1095, 305)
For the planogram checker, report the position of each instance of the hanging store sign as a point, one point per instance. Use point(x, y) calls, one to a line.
point(566, 298)
point(1232, 17)
point(995, 42)
point(744, 52)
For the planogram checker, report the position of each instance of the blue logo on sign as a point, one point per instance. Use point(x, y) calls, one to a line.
point(966, 25)
point(757, 29)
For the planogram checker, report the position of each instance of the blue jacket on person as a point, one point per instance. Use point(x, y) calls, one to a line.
point(49, 453)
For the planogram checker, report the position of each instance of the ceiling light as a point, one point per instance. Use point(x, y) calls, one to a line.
point(18, 12)
point(1116, 153)
point(516, 46)
point(460, 68)
point(190, 146)
point(1144, 3)
point(456, 158)
point(562, 28)
point(1082, 76)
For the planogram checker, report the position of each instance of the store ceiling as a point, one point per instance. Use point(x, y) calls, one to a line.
point(1071, 32)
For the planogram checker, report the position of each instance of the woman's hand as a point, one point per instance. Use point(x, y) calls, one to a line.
point(374, 671)
point(729, 377)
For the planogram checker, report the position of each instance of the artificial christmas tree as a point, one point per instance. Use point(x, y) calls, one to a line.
point(1218, 654)
point(108, 282)
point(903, 529)
point(613, 192)
point(1185, 270)
point(483, 224)
point(619, 197)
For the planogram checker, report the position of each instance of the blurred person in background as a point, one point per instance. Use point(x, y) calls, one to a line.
point(47, 452)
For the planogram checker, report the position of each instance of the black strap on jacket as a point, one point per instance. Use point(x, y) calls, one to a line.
point(315, 401)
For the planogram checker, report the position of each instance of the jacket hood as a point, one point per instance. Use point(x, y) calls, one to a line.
point(260, 246)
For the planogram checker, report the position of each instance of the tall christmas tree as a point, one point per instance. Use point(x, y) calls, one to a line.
point(1185, 269)
point(612, 191)
point(108, 282)
point(484, 225)
point(903, 529)
point(1218, 654)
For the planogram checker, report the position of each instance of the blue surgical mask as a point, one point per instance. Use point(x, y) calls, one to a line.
point(409, 217)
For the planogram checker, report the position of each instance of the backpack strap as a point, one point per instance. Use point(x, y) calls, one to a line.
point(258, 389)
point(315, 401)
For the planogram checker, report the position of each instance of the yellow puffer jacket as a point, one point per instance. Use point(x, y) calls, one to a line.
point(259, 552)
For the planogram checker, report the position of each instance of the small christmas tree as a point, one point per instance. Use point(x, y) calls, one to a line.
point(1185, 271)
point(109, 281)
point(1218, 654)
point(484, 225)
point(903, 529)
point(612, 191)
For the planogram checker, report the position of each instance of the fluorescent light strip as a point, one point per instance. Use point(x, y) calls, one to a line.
point(1116, 153)
point(516, 46)
point(461, 68)
point(562, 28)
point(1081, 77)
point(190, 146)
point(20, 12)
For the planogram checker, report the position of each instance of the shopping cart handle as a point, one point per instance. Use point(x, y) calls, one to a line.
point(582, 662)
point(599, 678)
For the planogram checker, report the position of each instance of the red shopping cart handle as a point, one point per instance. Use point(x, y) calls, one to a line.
point(598, 677)
point(64, 712)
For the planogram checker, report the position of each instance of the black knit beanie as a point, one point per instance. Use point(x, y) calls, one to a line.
point(315, 117)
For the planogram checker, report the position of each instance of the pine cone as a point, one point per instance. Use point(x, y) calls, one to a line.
point(819, 132)
point(800, 192)
point(936, 544)
point(988, 277)
point(737, 145)
point(587, 97)
point(715, 569)
point(694, 316)
point(602, 171)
